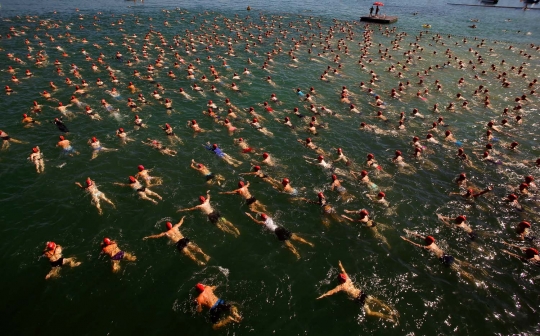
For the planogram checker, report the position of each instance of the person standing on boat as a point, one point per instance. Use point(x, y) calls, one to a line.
point(371, 11)
point(377, 11)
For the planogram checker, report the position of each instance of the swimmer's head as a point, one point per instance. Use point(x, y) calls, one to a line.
point(398, 153)
point(370, 156)
point(512, 197)
point(308, 140)
point(524, 224)
point(531, 252)
point(88, 182)
point(121, 130)
point(379, 113)
point(214, 146)
point(462, 176)
point(132, 179)
point(490, 124)
point(169, 225)
point(25, 115)
point(265, 155)
point(320, 158)
point(486, 154)
point(194, 122)
point(334, 177)
point(529, 179)
point(285, 181)
point(523, 186)
point(342, 277)
point(429, 240)
point(514, 144)
point(287, 119)
point(200, 287)
point(264, 216)
point(202, 199)
point(381, 195)
point(320, 195)
point(51, 245)
point(107, 241)
point(364, 173)
point(255, 120)
point(489, 146)
point(94, 139)
point(140, 167)
point(241, 184)
point(61, 138)
point(362, 124)
point(240, 139)
point(364, 213)
point(447, 133)
point(35, 150)
point(460, 219)
point(414, 139)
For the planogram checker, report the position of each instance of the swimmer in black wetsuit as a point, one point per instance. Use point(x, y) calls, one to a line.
point(60, 125)
point(347, 286)
point(183, 244)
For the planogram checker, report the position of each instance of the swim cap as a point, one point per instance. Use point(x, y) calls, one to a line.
point(255, 120)
point(287, 119)
point(529, 179)
point(486, 154)
point(140, 167)
point(447, 133)
point(264, 216)
point(200, 287)
point(460, 219)
point(415, 139)
point(531, 252)
point(514, 144)
point(523, 186)
point(364, 173)
point(429, 136)
point(285, 181)
point(121, 130)
point(429, 240)
point(202, 199)
point(193, 121)
point(35, 150)
point(381, 194)
point(342, 277)
point(308, 140)
point(462, 176)
point(94, 139)
point(107, 241)
point(240, 184)
point(320, 158)
point(88, 182)
point(524, 224)
point(61, 137)
point(489, 146)
point(334, 177)
point(320, 195)
point(51, 245)
point(132, 179)
point(25, 115)
point(311, 124)
point(370, 156)
point(169, 225)
point(265, 155)
point(398, 153)
point(214, 146)
point(339, 150)
point(490, 123)
point(512, 197)
point(363, 124)
point(364, 213)
point(240, 139)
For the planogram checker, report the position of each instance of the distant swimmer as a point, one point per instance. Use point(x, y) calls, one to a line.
point(459, 222)
point(368, 222)
point(95, 194)
point(53, 251)
point(210, 177)
point(346, 285)
point(145, 176)
point(36, 157)
point(183, 244)
point(221, 312)
point(60, 125)
point(143, 192)
point(327, 209)
point(6, 139)
point(222, 155)
point(281, 233)
point(67, 149)
point(110, 248)
point(97, 147)
point(214, 216)
point(531, 254)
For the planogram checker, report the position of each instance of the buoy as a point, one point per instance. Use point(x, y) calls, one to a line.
point(248, 8)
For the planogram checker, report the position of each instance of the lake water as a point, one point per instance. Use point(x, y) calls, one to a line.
point(275, 292)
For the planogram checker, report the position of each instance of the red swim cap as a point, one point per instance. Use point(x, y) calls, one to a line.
point(308, 140)
point(339, 150)
point(523, 186)
point(415, 138)
point(321, 195)
point(398, 153)
point(202, 199)
point(121, 130)
point(200, 165)
point(256, 168)
point(460, 219)
point(140, 167)
point(285, 181)
point(132, 179)
point(342, 277)
point(429, 136)
point(240, 184)
point(512, 197)
point(264, 216)
point(35, 150)
point(214, 146)
point(169, 225)
point(25, 115)
point(255, 120)
point(524, 224)
point(429, 240)
point(61, 137)
point(265, 155)
point(334, 177)
point(94, 139)
point(193, 122)
point(462, 175)
point(364, 213)
point(447, 133)
point(364, 173)
point(370, 156)
point(381, 194)
point(531, 252)
point(88, 182)
point(320, 158)
point(529, 179)
point(107, 241)
point(51, 245)
point(200, 287)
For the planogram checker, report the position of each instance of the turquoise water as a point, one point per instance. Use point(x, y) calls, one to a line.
point(275, 292)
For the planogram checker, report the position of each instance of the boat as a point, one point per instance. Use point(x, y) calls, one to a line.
point(489, 2)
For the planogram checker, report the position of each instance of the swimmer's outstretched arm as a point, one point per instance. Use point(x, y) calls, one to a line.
point(177, 225)
point(121, 184)
point(189, 209)
point(342, 268)
point(332, 292)
point(415, 244)
point(513, 245)
point(155, 236)
point(230, 192)
point(254, 219)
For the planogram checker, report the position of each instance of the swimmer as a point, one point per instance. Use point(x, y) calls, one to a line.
point(523, 229)
point(222, 155)
point(6, 140)
point(149, 181)
point(342, 157)
point(308, 143)
point(328, 211)
point(364, 218)
point(96, 195)
point(159, 146)
point(171, 135)
point(183, 244)
point(123, 136)
point(29, 121)
point(398, 160)
point(211, 178)
point(111, 248)
point(255, 124)
point(258, 173)
point(213, 215)
point(253, 204)
point(138, 123)
point(531, 254)
point(445, 259)
point(281, 233)
point(287, 188)
point(53, 252)
point(379, 199)
point(67, 149)
point(460, 222)
point(241, 142)
point(336, 185)
point(60, 125)
point(470, 193)
point(143, 192)
point(36, 157)
point(221, 312)
point(195, 126)
point(346, 285)
point(96, 147)
point(364, 178)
